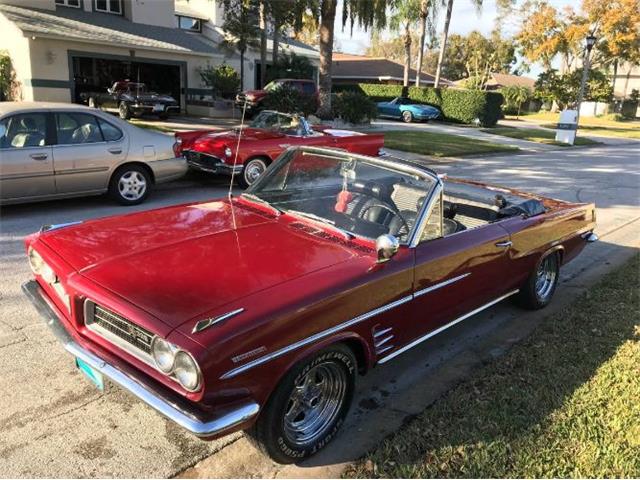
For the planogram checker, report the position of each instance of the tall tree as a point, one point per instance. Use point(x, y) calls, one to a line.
point(428, 14)
point(263, 42)
point(403, 18)
point(445, 34)
point(240, 26)
point(367, 13)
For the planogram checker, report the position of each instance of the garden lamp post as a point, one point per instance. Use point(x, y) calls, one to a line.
point(590, 41)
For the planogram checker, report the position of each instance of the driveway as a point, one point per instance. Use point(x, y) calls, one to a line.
point(54, 424)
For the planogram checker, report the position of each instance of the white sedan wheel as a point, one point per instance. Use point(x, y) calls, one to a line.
point(132, 185)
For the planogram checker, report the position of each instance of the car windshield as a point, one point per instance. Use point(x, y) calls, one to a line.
point(358, 195)
point(272, 85)
point(287, 124)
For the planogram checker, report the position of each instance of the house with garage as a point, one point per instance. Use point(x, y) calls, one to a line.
point(61, 48)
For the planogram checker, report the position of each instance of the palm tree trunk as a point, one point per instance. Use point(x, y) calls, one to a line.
point(263, 44)
point(443, 43)
point(241, 69)
point(407, 53)
point(424, 11)
point(327, 21)
point(276, 41)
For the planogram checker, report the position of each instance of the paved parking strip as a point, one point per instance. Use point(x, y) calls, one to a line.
point(53, 423)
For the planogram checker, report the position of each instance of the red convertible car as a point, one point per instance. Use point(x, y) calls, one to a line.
point(257, 312)
point(268, 135)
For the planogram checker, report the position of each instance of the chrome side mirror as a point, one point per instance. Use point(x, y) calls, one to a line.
point(387, 246)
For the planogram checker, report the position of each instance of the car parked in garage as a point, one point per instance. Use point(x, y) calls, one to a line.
point(407, 110)
point(258, 311)
point(131, 99)
point(56, 150)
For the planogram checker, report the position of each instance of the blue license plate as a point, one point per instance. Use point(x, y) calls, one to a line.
point(91, 373)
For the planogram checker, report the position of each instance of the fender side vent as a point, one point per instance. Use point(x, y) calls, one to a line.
point(382, 339)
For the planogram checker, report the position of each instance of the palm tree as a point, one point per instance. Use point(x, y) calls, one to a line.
point(263, 42)
point(240, 29)
point(368, 13)
point(445, 34)
point(403, 18)
point(427, 10)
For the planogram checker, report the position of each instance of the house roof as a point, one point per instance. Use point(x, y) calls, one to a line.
point(506, 80)
point(349, 66)
point(77, 25)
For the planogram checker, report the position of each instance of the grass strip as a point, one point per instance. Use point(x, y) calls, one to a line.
point(535, 135)
point(563, 403)
point(440, 144)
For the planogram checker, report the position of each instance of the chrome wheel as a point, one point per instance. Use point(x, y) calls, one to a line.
point(132, 185)
point(92, 102)
point(407, 116)
point(546, 277)
point(253, 170)
point(314, 403)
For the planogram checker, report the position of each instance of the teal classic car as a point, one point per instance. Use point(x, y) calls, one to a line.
point(407, 110)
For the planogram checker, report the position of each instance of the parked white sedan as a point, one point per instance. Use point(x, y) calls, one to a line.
point(56, 150)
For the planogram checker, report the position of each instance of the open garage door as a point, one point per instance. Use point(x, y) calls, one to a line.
point(92, 74)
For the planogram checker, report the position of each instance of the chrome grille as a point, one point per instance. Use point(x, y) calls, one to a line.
point(119, 331)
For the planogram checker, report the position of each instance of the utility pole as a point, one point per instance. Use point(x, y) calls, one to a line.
point(590, 42)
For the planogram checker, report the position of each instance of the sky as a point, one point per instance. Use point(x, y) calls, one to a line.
point(465, 18)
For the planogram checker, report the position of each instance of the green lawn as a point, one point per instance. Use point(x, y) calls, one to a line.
point(535, 135)
point(563, 403)
point(605, 126)
point(440, 144)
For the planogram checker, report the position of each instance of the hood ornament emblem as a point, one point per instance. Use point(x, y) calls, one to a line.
point(209, 322)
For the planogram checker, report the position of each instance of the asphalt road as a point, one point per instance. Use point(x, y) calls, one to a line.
point(54, 424)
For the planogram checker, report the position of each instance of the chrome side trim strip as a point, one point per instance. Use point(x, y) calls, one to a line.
point(444, 327)
point(440, 285)
point(209, 322)
point(313, 338)
point(382, 332)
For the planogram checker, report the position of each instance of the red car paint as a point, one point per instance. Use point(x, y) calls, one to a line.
point(166, 269)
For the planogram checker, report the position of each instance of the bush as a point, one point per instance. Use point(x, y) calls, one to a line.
point(287, 99)
point(8, 84)
point(291, 66)
point(223, 80)
point(514, 97)
point(460, 106)
point(354, 107)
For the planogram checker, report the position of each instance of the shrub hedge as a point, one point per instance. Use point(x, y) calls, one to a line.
point(354, 107)
point(461, 106)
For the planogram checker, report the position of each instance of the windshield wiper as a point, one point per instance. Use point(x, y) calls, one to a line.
point(324, 221)
point(261, 201)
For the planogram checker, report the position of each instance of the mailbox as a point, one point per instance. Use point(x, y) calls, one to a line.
point(567, 127)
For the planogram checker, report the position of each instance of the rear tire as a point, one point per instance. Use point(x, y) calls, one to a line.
point(130, 185)
point(124, 111)
point(163, 116)
point(308, 407)
point(92, 102)
point(407, 116)
point(539, 288)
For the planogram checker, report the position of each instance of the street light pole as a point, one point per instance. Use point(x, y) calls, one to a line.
point(590, 42)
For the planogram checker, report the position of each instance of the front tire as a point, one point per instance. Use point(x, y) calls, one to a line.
point(252, 170)
point(130, 185)
point(539, 288)
point(308, 407)
point(92, 103)
point(407, 116)
point(124, 111)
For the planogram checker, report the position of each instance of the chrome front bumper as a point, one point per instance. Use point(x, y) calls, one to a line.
point(210, 163)
point(164, 402)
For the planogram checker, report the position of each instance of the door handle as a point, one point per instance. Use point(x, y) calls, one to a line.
point(39, 156)
point(115, 151)
point(506, 244)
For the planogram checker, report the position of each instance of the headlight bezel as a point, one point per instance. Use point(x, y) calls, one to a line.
point(228, 152)
point(36, 262)
point(171, 372)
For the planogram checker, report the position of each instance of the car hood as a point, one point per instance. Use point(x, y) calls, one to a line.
point(178, 262)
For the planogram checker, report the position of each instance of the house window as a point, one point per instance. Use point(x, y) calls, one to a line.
point(68, 3)
point(109, 6)
point(188, 23)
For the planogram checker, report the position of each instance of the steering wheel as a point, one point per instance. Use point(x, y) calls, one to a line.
point(395, 213)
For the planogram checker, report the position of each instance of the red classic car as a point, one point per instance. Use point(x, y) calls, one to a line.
point(268, 135)
point(257, 311)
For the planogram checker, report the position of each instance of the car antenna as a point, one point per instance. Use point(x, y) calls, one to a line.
point(235, 158)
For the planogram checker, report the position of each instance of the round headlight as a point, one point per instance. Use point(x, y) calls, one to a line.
point(163, 354)
point(35, 261)
point(228, 152)
point(186, 371)
point(47, 273)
